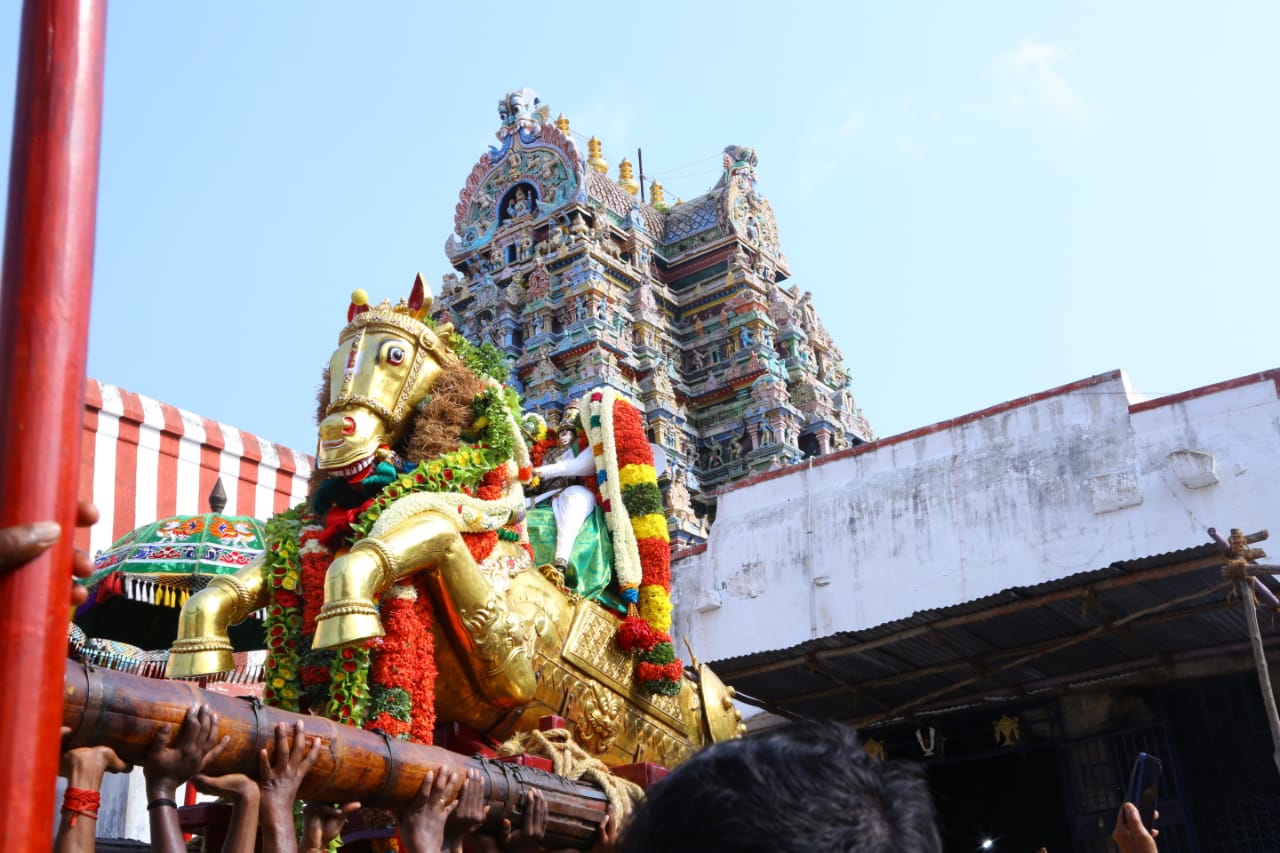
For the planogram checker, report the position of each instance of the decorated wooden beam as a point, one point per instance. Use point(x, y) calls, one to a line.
point(124, 712)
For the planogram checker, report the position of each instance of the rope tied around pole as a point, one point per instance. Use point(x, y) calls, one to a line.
point(570, 760)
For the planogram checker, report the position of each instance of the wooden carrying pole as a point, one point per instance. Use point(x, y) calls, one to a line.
point(44, 323)
point(124, 712)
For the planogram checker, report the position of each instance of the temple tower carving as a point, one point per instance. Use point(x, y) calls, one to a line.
point(684, 307)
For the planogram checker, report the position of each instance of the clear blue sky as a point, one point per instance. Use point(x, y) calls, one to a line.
point(987, 200)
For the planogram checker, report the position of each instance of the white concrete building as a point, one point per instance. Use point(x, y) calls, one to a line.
point(1041, 567)
point(1032, 490)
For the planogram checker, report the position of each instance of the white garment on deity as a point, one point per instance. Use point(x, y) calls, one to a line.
point(572, 504)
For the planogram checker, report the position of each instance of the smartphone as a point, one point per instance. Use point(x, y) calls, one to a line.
point(1144, 787)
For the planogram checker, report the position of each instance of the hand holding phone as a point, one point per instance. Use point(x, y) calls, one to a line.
point(1144, 788)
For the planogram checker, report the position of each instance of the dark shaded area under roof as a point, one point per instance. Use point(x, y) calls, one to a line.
point(1131, 617)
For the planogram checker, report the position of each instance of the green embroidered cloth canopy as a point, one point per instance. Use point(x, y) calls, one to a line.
point(141, 581)
point(162, 563)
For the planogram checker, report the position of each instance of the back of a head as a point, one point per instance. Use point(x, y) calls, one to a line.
point(805, 787)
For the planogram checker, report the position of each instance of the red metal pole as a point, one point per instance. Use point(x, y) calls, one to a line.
point(44, 325)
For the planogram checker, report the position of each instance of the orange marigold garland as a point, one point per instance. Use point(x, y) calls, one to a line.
point(423, 725)
point(402, 669)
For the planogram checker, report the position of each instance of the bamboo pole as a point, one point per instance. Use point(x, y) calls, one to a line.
point(124, 712)
point(1260, 660)
point(44, 323)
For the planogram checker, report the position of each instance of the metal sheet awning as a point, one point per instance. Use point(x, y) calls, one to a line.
point(1131, 618)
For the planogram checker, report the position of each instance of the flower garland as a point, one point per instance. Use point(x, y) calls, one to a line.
point(284, 620)
point(401, 666)
point(642, 553)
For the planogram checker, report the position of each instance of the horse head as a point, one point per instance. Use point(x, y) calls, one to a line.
point(386, 361)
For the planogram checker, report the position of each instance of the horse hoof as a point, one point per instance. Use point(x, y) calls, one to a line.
point(190, 658)
point(344, 623)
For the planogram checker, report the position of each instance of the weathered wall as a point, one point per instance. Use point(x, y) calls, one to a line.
point(1036, 489)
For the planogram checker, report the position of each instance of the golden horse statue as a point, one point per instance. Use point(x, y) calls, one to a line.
point(442, 543)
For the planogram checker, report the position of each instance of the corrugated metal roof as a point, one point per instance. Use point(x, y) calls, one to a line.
point(1084, 628)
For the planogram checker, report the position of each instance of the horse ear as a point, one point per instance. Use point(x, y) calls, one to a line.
point(420, 298)
point(359, 304)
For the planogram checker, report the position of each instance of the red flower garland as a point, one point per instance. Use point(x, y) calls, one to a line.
point(423, 726)
point(405, 660)
point(539, 450)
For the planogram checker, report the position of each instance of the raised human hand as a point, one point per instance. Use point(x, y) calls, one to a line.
point(1130, 835)
point(22, 543)
point(232, 786)
point(169, 765)
point(422, 824)
point(532, 829)
point(84, 766)
point(283, 766)
point(245, 798)
point(321, 823)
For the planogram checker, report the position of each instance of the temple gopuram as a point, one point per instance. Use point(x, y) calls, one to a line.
point(684, 307)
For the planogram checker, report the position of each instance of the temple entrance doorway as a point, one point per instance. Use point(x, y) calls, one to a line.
point(1006, 802)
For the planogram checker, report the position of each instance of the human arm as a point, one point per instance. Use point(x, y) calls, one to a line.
point(528, 837)
point(83, 768)
point(321, 823)
point(581, 465)
point(468, 815)
point(168, 766)
point(1130, 835)
point(422, 824)
point(244, 796)
point(281, 769)
point(22, 543)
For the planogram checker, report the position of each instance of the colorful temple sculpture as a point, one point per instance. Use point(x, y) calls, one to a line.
point(682, 306)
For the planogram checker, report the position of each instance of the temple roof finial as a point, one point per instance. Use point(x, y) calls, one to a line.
point(626, 178)
point(595, 156)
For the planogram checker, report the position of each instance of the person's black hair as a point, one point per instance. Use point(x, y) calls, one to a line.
point(804, 788)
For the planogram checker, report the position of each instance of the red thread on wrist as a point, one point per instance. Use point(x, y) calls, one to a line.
point(79, 801)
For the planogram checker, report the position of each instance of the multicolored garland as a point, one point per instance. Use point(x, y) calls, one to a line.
point(632, 506)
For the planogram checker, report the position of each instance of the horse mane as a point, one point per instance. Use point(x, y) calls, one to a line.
point(435, 427)
point(438, 423)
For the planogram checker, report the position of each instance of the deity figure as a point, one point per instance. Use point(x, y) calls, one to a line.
point(560, 474)
point(677, 492)
point(715, 453)
point(521, 204)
